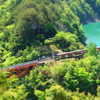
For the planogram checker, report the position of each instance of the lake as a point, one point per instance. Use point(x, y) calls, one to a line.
point(92, 32)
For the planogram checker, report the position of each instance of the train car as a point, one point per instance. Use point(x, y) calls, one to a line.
point(98, 48)
point(72, 53)
point(83, 51)
point(68, 54)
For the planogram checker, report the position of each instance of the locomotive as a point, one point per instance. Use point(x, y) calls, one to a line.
point(24, 69)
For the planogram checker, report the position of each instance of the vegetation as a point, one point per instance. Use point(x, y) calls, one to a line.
point(27, 26)
point(68, 80)
point(62, 80)
point(30, 29)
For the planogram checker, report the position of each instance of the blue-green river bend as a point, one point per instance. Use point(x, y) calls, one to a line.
point(92, 32)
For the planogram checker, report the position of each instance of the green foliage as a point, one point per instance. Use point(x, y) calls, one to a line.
point(82, 74)
point(67, 41)
point(92, 51)
point(59, 93)
point(28, 28)
point(80, 78)
point(6, 82)
point(82, 9)
point(32, 23)
point(57, 80)
point(19, 93)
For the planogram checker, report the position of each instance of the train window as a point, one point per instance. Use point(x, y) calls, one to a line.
point(22, 71)
point(31, 67)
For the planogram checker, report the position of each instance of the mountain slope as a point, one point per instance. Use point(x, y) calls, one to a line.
point(27, 24)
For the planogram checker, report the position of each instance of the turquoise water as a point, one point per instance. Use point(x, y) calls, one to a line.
point(92, 32)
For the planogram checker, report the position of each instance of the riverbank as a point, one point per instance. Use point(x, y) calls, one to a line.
point(92, 20)
point(97, 20)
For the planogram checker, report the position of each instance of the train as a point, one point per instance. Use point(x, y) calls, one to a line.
point(74, 53)
point(24, 69)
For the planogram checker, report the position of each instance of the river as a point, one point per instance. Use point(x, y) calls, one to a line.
point(92, 32)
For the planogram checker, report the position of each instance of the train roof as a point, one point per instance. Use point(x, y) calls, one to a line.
point(98, 47)
point(62, 53)
point(18, 65)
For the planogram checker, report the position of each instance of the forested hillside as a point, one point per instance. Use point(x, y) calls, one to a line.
point(66, 79)
point(27, 26)
point(30, 29)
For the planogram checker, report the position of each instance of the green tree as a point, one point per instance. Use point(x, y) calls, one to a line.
point(92, 51)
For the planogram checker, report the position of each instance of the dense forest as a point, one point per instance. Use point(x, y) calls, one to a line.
point(66, 79)
point(30, 29)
